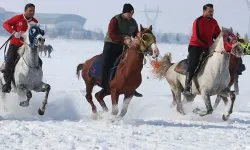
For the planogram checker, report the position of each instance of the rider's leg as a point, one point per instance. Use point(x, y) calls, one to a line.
point(40, 62)
point(9, 67)
point(110, 52)
point(193, 61)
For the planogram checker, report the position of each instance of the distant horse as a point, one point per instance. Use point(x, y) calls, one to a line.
point(45, 48)
point(211, 78)
point(125, 77)
point(28, 74)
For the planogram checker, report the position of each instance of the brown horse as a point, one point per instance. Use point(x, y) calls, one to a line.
point(127, 77)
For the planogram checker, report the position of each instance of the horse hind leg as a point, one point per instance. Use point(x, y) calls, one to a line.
point(88, 96)
point(173, 103)
point(177, 95)
point(99, 96)
point(44, 87)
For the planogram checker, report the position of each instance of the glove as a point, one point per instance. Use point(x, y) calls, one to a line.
point(17, 34)
point(127, 40)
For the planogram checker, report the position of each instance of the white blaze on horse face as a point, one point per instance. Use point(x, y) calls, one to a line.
point(155, 50)
point(40, 39)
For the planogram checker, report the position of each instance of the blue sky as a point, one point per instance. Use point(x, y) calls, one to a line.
point(176, 16)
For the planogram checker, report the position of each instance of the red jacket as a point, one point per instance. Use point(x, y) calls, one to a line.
point(17, 23)
point(203, 32)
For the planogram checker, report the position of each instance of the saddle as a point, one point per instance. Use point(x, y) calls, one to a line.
point(182, 66)
point(96, 67)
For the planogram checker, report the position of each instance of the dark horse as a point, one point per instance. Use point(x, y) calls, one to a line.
point(127, 76)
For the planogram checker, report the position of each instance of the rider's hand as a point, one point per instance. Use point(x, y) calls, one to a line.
point(17, 34)
point(127, 40)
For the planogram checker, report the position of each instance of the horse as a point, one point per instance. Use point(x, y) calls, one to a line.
point(233, 69)
point(28, 74)
point(211, 78)
point(125, 77)
point(44, 48)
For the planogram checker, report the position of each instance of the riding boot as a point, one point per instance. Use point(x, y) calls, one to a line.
point(136, 94)
point(188, 84)
point(40, 62)
point(9, 67)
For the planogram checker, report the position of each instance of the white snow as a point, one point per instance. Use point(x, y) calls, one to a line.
point(149, 124)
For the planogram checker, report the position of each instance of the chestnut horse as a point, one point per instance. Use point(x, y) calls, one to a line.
point(127, 77)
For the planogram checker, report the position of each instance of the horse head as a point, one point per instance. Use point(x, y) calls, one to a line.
point(34, 36)
point(148, 42)
point(230, 42)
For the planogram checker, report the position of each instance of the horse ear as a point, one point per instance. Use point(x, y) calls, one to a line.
point(231, 29)
point(141, 28)
point(150, 28)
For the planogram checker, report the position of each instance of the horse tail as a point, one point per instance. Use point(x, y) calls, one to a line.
point(163, 66)
point(78, 69)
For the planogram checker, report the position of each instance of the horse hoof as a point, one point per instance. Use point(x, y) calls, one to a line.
point(41, 112)
point(24, 104)
point(224, 117)
point(196, 110)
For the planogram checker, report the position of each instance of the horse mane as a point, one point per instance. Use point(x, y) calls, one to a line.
point(214, 45)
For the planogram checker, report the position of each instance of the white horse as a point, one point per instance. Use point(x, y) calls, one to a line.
point(28, 74)
point(213, 77)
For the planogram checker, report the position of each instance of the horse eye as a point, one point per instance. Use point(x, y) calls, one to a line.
point(229, 39)
point(145, 37)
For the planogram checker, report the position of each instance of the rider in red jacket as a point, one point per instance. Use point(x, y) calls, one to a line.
point(205, 29)
point(16, 26)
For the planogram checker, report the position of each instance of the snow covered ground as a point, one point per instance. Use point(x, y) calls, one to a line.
point(149, 124)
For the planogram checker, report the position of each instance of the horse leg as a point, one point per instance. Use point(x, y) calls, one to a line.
point(88, 96)
point(44, 87)
point(49, 55)
point(23, 91)
point(188, 98)
point(208, 104)
point(99, 96)
point(236, 86)
point(217, 101)
point(126, 101)
point(114, 99)
point(179, 107)
point(174, 100)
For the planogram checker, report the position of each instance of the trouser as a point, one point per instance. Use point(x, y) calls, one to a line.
point(241, 67)
point(111, 52)
point(12, 55)
point(194, 55)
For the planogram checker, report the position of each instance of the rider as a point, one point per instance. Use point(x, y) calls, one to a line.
point(204, 30)
point(246, 48)
point(16, 26)
point(121, 28)
point(244, 44)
